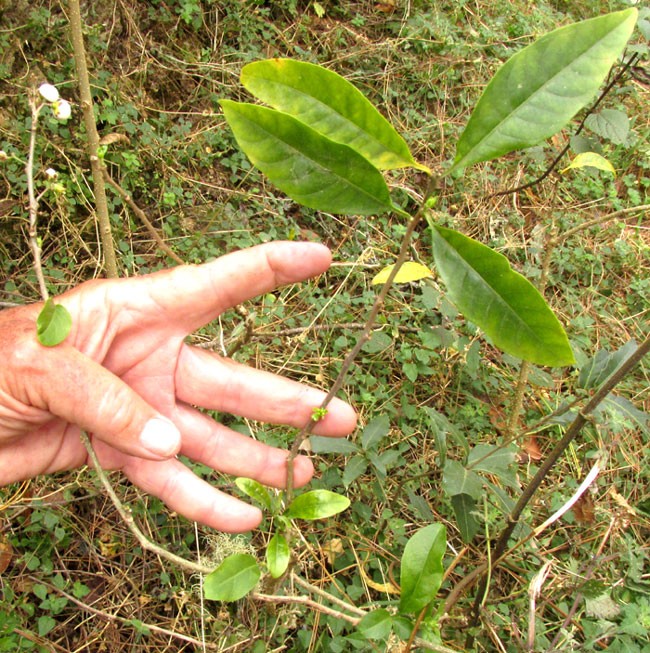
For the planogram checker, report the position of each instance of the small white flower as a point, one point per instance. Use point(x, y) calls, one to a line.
point(51, 173)
point(49, 92)
point(62, 109)
point(3, 155)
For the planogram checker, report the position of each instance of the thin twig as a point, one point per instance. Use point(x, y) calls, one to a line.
point(599, 220)
point(326, 595)
point(363, 338)
point(124, 620)
point(142, 216)
point(35, 107)
point(126, 515)
point(322, 327)
point(101, 205)
point(310, 603)
point(551, 459)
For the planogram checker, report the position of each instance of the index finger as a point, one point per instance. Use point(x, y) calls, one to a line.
point(192, 296)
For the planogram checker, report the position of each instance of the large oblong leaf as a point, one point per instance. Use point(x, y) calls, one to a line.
point(310, 168)
point(331, 105)
point(235, 577)
point(421, 568)
point(539, 89)
point(509, 309)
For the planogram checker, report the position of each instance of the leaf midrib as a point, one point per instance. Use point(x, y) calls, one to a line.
point(494, 293)
point(338, 113)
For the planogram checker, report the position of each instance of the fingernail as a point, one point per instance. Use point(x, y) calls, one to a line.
point(160, 437)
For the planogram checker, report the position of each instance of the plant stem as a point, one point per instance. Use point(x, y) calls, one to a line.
point(642, 208)
point(35, 107)
point(126, 515)
point(76, 35)
point(142, 215)
point(551, 459)
point(363, 338)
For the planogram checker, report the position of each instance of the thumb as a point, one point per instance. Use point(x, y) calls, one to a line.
point(81, 391)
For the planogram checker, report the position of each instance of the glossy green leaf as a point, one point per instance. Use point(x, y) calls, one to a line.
point(421, 568)
point(591, 160)
point(508, 308)
point(375, 431)
point(310, 168)
point(232, 579)
point(255, 490)
point(317, 504)
point(331, 105)
point(277, 555)
point(410, 271)
point(376, 624)
point(464, 505)
point(458, 480)
point(538, 90)
point(53, 324)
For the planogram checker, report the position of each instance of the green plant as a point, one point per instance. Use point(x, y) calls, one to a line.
point(431, 388)
point(325, 145)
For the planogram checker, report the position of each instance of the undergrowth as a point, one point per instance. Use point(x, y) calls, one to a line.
point(76, 580)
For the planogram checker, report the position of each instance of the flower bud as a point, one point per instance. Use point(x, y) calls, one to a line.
point(3, 155)
point(62, 109)
point(49, 92)
point(59, 189)
point(51, 173)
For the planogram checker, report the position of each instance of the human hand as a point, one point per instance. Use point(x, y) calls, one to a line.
point(125, 375)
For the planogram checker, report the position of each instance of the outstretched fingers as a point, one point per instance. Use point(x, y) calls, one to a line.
point(191, 296)
point(211, 381)
point(192, 497)
point(227, 451)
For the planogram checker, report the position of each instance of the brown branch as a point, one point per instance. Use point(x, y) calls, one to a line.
point(549, 462)
point(363, 338)
point(599, 220)
point(76, 35)
point(126, 515)
point(35, 107)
